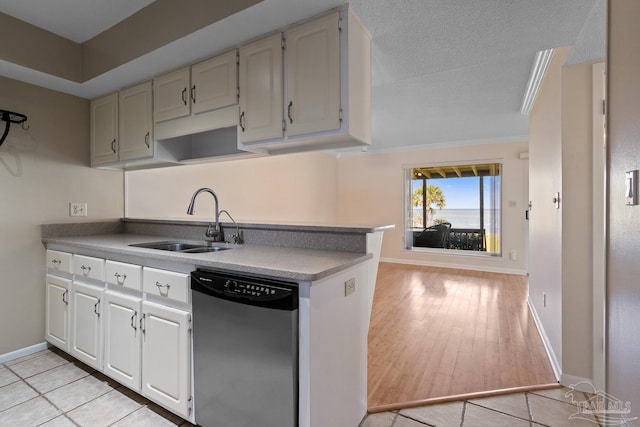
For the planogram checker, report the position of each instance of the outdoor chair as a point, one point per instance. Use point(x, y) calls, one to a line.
point(436, 236)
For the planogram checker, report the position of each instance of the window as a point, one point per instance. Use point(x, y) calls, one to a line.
point(454, 208)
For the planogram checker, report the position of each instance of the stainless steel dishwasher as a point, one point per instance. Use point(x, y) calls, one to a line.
point(245, 341)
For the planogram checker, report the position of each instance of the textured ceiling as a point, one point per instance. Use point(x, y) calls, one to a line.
point(444, 72)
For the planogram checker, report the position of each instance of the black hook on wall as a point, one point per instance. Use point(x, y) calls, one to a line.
point(10, 117)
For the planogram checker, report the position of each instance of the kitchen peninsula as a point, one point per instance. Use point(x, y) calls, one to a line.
point(334, 268)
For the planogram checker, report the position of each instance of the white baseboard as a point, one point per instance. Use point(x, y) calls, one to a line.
point(456, 266)
point(555, 365)
point(578, 383)
point(23, 352)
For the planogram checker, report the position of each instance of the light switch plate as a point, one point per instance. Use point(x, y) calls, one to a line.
point(631, 188)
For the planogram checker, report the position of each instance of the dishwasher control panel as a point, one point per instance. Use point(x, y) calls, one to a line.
point(252, 290)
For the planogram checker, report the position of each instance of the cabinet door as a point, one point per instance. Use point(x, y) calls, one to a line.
point(104, 129)
point(261, 90)
point(214, 83)
point(86, 324)
point(313, 76)
point(57, 311)
point(171, 96)
point(122, 347)
point(166, 350)
point(135, 122)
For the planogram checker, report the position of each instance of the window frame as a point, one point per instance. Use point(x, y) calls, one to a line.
point(497, 194)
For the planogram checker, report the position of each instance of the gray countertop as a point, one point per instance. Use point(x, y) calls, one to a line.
point(297, 264)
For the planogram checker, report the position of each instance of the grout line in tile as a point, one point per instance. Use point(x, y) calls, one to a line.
point(499, 412)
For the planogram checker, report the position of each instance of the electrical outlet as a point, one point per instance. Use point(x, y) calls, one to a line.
point(349, 286)
point(513, 255)
point(77, 209)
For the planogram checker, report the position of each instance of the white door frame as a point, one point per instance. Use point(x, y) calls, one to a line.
point(599, 227)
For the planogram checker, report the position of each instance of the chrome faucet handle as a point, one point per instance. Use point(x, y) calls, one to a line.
point(213, 232)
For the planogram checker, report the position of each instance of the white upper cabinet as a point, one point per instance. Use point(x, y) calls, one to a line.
point(203, 87)
point(171, 95)
point(326, 91)
point(313, 76)
point(305, 87)
point(214, 83)
point(104, 129)
point(261, 90)
point(136, 122)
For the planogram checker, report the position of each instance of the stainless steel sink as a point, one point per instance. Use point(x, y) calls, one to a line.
point(185, 247)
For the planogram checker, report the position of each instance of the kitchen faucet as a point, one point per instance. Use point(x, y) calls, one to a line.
point(212, 232)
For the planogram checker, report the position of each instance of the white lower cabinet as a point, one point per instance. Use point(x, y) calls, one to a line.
point(107, 322)
point(57, 311)
point(86, 324)
point(166, 356)
point(122, 338)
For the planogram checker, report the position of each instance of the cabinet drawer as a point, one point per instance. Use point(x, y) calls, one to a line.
point(88, 267)
point(124, 275)
point(167, 284)
point(59, 261)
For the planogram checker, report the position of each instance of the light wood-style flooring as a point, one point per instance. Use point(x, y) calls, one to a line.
point(439, 332)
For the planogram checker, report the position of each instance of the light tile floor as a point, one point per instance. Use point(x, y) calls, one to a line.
point(551, 408)
point(51, 389)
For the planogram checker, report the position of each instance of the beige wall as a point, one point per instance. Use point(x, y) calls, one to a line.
point(371, 191)
point(561, 240)
point(623, 311)
point(577, 217)
point(286, 188)
point(545, 228)
point(41, 171)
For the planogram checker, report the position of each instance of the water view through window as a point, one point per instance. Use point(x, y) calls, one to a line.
point(454, 208)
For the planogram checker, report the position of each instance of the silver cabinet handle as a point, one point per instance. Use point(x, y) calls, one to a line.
point(56, 262)
point(133, 316)
point(289, 107)
point(85, 270)
point(193, 94)
point(113, 145)
point(65, 294)
point(184, 96)
point(146, 139)
point(144, 331)
point(160, 286)
point(118, 276)
point(95, 308)
point(242, 122)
